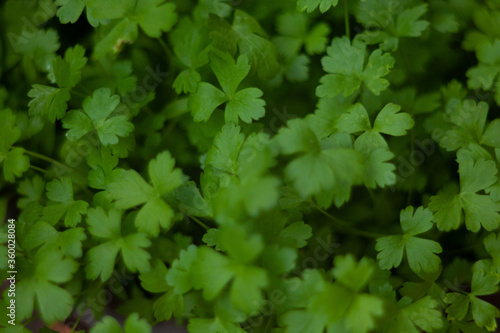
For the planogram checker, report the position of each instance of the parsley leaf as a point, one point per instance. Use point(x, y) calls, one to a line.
point(346, 68)
point(128, 189)
point(49, 268)
point(316, 169)
point(69, 241)
point(483, 313)
point(62, 204)
point(15, 163)
point(101, 258)
point(479, 210)
point(217, 270)
point(251, 40)
point(96, 116)
point(311, 5)
point(133, 324)
point(404, 22)
point(244, 104)
point(421, 253)
point(48, 101)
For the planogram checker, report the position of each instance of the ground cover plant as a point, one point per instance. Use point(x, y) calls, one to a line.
point(294, 166)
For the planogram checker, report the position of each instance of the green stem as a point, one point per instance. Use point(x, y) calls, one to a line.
point(165, 48)
point(344, 225)
point(78, 320)
point(38, 169)
point(412, 148)
point(43, 157)
point(346, 19)
point(169, 129)
point(79, 93)
point(372, 195)
point(203, 225)
point(31, 319)
point(268, 324)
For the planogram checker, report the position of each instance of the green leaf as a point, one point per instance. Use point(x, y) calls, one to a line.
point(163, 174)
point(363, 312)
point(215, 325)
point(70, 10)
point(155, 280)
point(123, 32)
point(217, 270)
point(422, 314)
point(104, 225)
point(421, 253)
point(96, 116)
point(49, 268)
point(179, 275)
point(133, 324)
point(354, 120)
point(48, 101)
point(459, 305)
point(101, 259)
point(416, 222)
point(350, 273)
point(484, 313)
point(389, 121)
point(43, 234)
point(346, 70)
point(205, 100)
point(62, 204)
point(476, 176)
point(75, 56)
point(53, 301)
point(479, 210)
point(246, 105)
point(246, 35)
point(303, 322)
point(295, 235)
point(155, 16)
point(214, 272)
point(128, 189)
point(378, 170)
point(167, 305)
point(311, 5)
point(490, 136)
point(228, 73)
point(318, 170)
point(15, 164)
point(407, 23)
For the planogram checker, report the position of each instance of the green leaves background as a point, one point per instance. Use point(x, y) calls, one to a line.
point(288, 166)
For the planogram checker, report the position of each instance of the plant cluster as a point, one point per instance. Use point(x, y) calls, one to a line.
point(293, 166)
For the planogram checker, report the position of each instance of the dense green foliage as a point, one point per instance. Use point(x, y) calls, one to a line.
point(292, 166)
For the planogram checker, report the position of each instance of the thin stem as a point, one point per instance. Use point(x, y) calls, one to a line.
point(78, 93)
point(169, 129)
point(268, 324)
point(78, 319)
point(372, 195)
point(345, 225)
point(38, 169)
point(32, 319)
point(203, 225)
point(330, 216)
point(43, 157)
point(346, 19)
point(165, 48)
point(412, 148)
